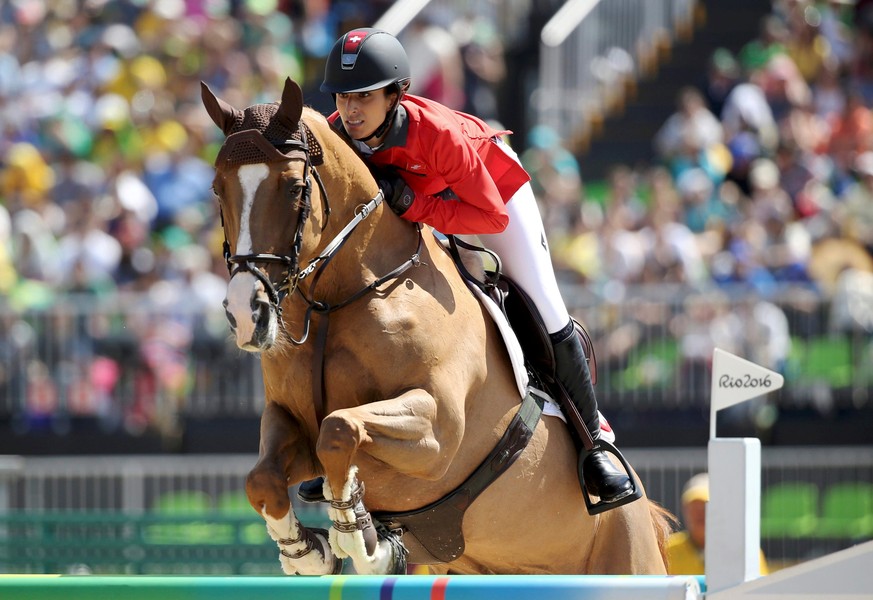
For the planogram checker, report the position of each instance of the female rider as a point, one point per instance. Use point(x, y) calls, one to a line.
point(453, 172)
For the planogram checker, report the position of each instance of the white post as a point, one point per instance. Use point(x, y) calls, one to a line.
point(733, 515)
point(11, 468)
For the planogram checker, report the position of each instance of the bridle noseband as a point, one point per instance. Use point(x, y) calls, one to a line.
point(256, 148)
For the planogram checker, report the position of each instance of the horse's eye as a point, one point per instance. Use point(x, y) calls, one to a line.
point(295, 188)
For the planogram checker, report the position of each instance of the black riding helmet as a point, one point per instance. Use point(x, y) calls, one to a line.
point(365, 60)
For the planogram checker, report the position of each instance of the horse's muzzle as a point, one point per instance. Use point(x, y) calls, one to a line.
point(253, 322)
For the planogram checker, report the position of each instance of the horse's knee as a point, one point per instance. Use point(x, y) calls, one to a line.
point(338, 436)
point(267, 491)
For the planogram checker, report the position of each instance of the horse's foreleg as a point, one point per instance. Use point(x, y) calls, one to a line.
point(283, 452)
point(354, 535)
point(400, 435)
point(302, 551)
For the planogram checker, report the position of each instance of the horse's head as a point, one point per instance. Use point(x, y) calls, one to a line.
point(263, 176)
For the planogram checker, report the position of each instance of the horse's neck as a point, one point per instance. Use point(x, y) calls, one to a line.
point(377, 245)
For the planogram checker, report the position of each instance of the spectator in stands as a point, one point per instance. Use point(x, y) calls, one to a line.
point(783, 85)
point(855, 212)
point(770, 42)
point(88, 244)
point(722, 75)
point(437, 64)
point(861, 68)
point(686, 548)
point(484, 65)
point(836, 29)
point(578, 251)
point(766, 336)
point(750, 128)
point(706, 322)
point(806, 45)
point(624, 215)
point(851, 136)
point(688, 133)
point(555, 178)
point(699, 202)
point(671, 250)
point(828, 94)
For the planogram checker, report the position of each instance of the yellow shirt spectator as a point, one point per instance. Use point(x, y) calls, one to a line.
point(685, 549)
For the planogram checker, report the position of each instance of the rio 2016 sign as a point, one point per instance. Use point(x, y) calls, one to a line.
point(746, 381)
point(736, 380)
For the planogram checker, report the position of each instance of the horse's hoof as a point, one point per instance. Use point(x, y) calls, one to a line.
point(399, 562)
point(337, 567)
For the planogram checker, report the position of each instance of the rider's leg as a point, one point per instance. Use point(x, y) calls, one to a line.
point(525, 257)
point(311, 490)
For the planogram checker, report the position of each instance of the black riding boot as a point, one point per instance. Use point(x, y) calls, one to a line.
point(312, 490)
point(602, 479)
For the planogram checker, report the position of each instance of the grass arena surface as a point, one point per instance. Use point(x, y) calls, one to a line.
point(350, 587)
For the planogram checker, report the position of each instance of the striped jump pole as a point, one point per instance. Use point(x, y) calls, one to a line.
point(351, 587)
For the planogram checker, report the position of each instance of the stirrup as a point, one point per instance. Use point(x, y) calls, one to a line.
point(601, 506)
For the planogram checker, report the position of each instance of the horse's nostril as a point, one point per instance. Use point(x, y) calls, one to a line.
point(231, 320)
point(261, 313)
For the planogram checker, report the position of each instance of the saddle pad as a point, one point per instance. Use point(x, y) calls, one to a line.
point(516, 357)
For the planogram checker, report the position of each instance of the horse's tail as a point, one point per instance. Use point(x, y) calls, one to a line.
point(664, 523)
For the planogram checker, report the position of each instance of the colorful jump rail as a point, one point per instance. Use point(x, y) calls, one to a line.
point(354, 587)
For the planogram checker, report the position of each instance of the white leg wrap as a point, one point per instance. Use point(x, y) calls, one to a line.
point(293, 557)
point(352, 544)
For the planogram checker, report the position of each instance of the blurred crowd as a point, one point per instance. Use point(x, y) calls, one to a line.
point(762, 161)
point(106, 169)
point(106, 163)
point(105, 177)
point(761, 185)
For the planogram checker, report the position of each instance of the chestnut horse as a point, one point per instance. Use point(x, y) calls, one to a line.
point(387, 376)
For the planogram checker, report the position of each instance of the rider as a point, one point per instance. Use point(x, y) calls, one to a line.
point(451, 171)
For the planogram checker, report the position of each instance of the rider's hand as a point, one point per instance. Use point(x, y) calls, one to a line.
point(398, 195)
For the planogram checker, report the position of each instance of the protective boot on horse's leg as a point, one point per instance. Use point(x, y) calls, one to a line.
point(601, 477)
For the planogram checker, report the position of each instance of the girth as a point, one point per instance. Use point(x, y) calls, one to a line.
point(433, 534)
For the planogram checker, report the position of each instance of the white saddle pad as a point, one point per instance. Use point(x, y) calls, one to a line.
point(516, 356)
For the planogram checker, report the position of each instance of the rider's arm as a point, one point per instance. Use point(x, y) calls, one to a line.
point(474, 205)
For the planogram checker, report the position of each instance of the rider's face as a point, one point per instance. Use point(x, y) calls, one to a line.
point(363, 112)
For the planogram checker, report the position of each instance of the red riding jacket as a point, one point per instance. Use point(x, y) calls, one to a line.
point(462, 180)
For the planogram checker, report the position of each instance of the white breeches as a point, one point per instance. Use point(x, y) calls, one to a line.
point(524, 253)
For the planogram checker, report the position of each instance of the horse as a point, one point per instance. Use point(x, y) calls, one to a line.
point(387, 375)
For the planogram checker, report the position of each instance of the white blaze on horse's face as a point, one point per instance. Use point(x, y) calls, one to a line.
point(246, 301)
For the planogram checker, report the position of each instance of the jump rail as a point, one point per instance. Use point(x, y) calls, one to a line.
point(355, 587)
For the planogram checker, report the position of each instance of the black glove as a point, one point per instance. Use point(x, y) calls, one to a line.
point(397, 194)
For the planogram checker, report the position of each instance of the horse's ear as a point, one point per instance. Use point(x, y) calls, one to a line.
point(291, 107)
point(222, 113)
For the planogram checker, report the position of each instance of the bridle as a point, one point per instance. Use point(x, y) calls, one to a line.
point(303, 145)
